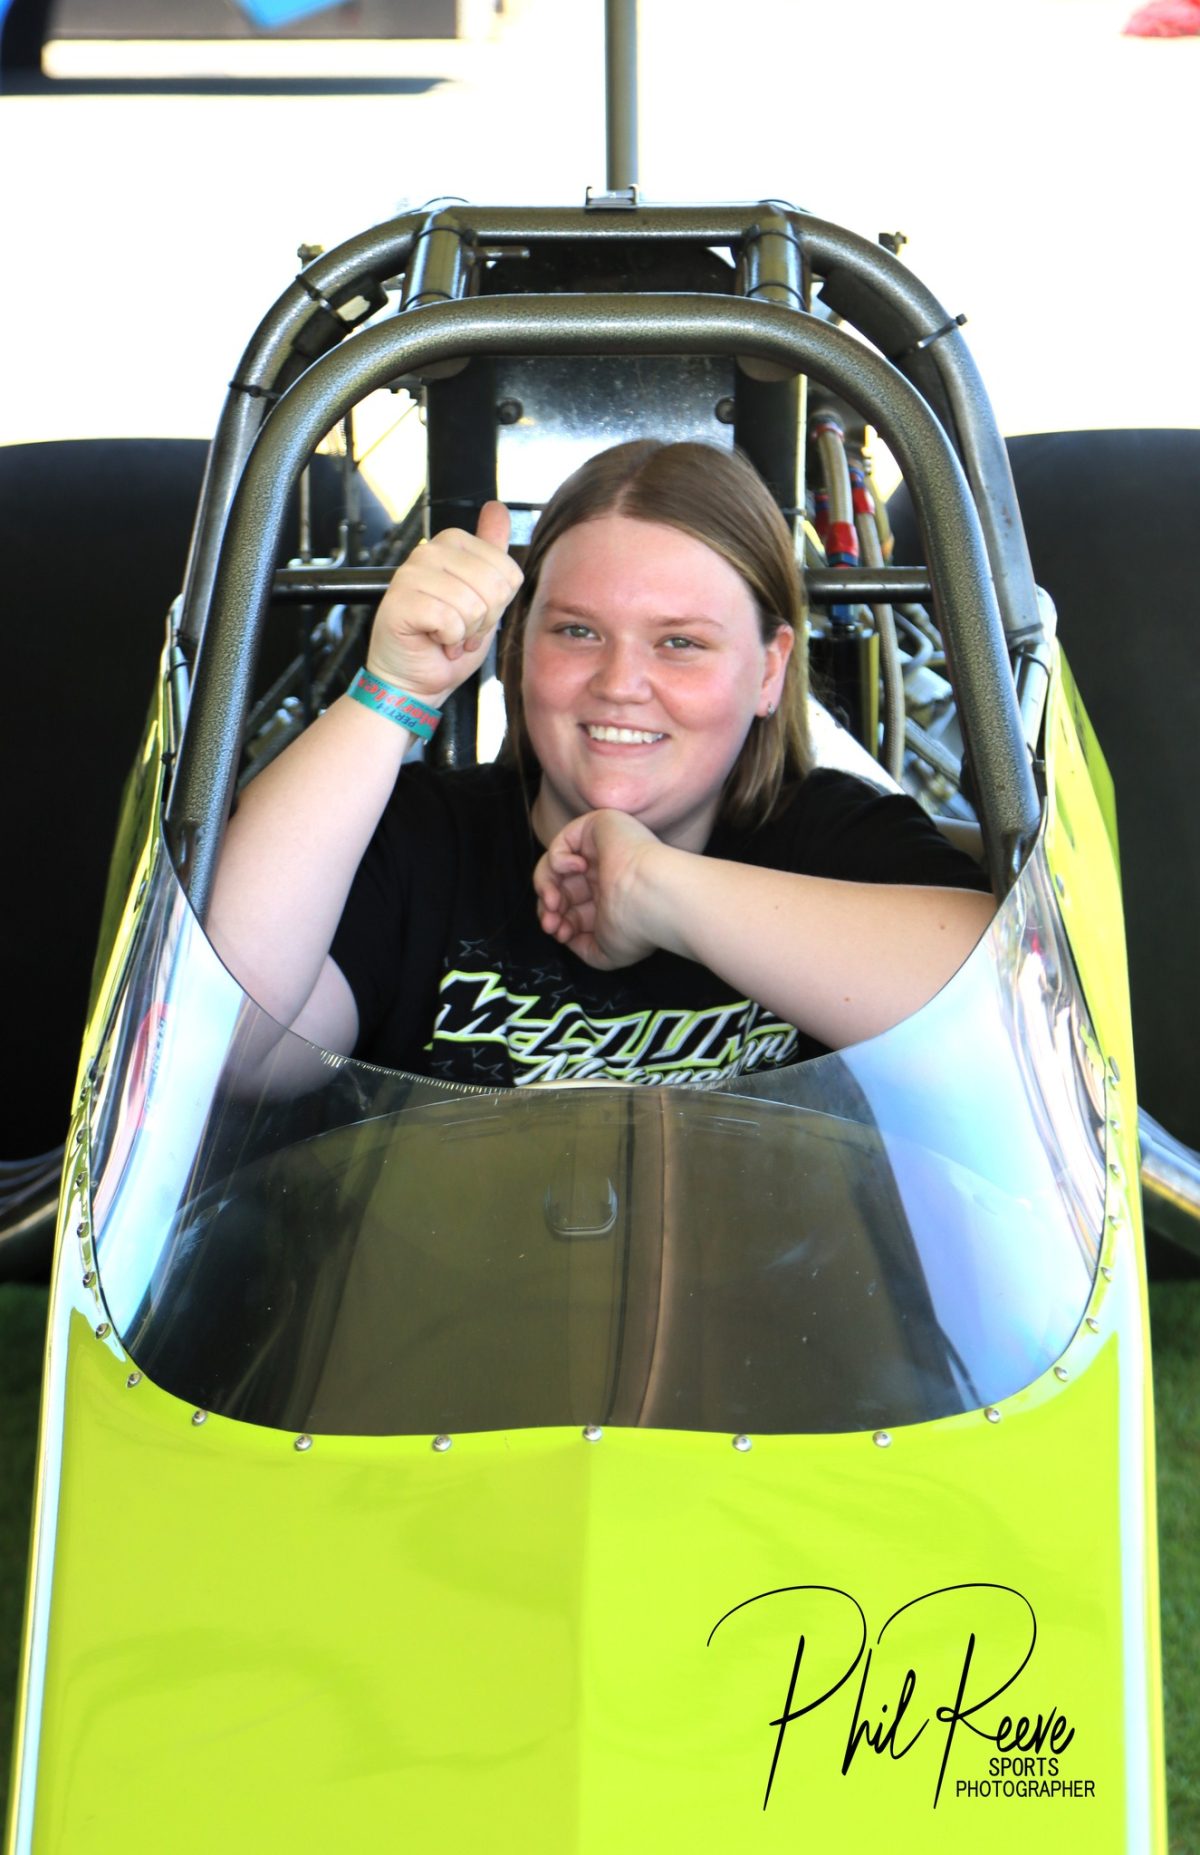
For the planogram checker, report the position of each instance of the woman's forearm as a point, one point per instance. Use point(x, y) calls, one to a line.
point(841, 960)
point(291, 851)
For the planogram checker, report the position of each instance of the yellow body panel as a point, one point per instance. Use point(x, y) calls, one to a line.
point(510, 1644)
point(507, 1645)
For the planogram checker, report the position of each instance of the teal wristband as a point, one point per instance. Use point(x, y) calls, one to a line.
point(406, 711)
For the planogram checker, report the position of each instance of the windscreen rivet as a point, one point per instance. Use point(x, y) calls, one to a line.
point(1106, 1272)
point(442, 1444)
point(80, 1181)
point(81, 1230)
point(135, 1378)
point(199, 1417)
point(742, 1443)
point(992, 1414)
point(509, 412)
point(103, 1330)
point(79, 1134)
point(1092, 1324)
point(302, 1443)
point(1060, 1372)
point(1116, 1221)
point(592, 1432)
point(1113, 1072)
point(725, 411)
point(1116, 1172)
point(1060, 885)
point(89, 1280)
point(883, 1438)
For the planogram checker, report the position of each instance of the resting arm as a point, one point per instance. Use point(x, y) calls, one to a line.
point(840, 960)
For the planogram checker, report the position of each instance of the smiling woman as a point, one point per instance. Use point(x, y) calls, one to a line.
point(653, 884)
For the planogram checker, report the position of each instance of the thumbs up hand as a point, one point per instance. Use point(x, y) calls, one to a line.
point(437, 618)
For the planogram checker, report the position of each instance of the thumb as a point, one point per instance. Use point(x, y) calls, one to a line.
point(494, 525)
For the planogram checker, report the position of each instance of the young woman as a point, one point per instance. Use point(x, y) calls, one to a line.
point(652, 885)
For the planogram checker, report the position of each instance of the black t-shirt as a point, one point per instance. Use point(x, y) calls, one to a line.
point(453, 976)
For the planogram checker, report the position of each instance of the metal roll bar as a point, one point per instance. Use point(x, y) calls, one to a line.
point(314, 585)
point(865, 283)
point(967, 609)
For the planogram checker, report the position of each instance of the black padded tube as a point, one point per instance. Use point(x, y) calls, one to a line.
point(681, 324)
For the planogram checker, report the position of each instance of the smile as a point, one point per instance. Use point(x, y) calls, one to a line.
point(627, 737)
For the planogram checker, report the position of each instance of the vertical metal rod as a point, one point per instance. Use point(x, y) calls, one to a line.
point(620, 76)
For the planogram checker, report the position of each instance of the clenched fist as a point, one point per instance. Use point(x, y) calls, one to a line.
point(594, 895)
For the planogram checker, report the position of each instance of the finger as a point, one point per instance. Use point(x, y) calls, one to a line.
point(565, 861)
point(480, 550)
point(576, 890)
point(494, 525)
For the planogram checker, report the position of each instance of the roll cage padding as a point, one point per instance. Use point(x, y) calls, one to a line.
point(966, 603)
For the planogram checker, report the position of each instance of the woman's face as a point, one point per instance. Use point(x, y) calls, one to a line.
point(644, 668)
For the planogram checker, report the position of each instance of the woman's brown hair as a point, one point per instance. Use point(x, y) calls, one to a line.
point(718, 498)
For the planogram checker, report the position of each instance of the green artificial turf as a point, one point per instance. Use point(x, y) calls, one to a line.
point(1175, 1321)
point(1175, 1330)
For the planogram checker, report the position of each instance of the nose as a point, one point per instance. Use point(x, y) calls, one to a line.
point(620, 672)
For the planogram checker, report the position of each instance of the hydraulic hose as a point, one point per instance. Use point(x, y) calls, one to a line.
point(870, 549)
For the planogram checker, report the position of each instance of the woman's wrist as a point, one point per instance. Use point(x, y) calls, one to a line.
point(398, 701)
point(661, 902)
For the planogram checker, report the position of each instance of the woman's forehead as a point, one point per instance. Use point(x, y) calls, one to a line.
point(620, 562)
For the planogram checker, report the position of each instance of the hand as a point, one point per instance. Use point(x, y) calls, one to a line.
point(437, 618)
point(592, 894)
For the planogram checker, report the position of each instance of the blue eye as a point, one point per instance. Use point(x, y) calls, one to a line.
point(575, 631)
point(681, 643)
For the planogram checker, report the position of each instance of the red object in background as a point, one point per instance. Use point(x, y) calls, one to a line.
point(1165, 19)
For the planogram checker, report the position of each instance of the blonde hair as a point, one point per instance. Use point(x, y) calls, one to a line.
point(718, 498)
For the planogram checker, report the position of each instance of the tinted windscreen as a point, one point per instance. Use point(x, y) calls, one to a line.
point(301, 1241)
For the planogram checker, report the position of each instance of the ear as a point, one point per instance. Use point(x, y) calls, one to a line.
point(777, 653)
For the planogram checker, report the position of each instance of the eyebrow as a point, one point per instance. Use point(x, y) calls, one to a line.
point(668, 623)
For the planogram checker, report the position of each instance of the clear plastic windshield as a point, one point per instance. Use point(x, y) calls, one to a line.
point(893, 1233)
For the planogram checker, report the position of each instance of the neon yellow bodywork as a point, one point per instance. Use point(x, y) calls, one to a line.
point(508, 1645)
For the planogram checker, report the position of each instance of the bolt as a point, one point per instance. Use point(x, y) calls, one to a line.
point(509, 412)
point(103, 1330)
point(882, 1438)
point(442, 1444)
point(302, 1443)
point(592, 1433)
point(725, 410)
point(1060, 1372)
point(992, 1414)
point(742, 1444)
point(199, 1417)
point(135, 1378)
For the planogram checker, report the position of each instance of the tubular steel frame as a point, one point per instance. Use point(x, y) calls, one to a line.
point(680, 324)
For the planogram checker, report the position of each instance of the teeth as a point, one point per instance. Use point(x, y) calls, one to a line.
point(629, 737)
